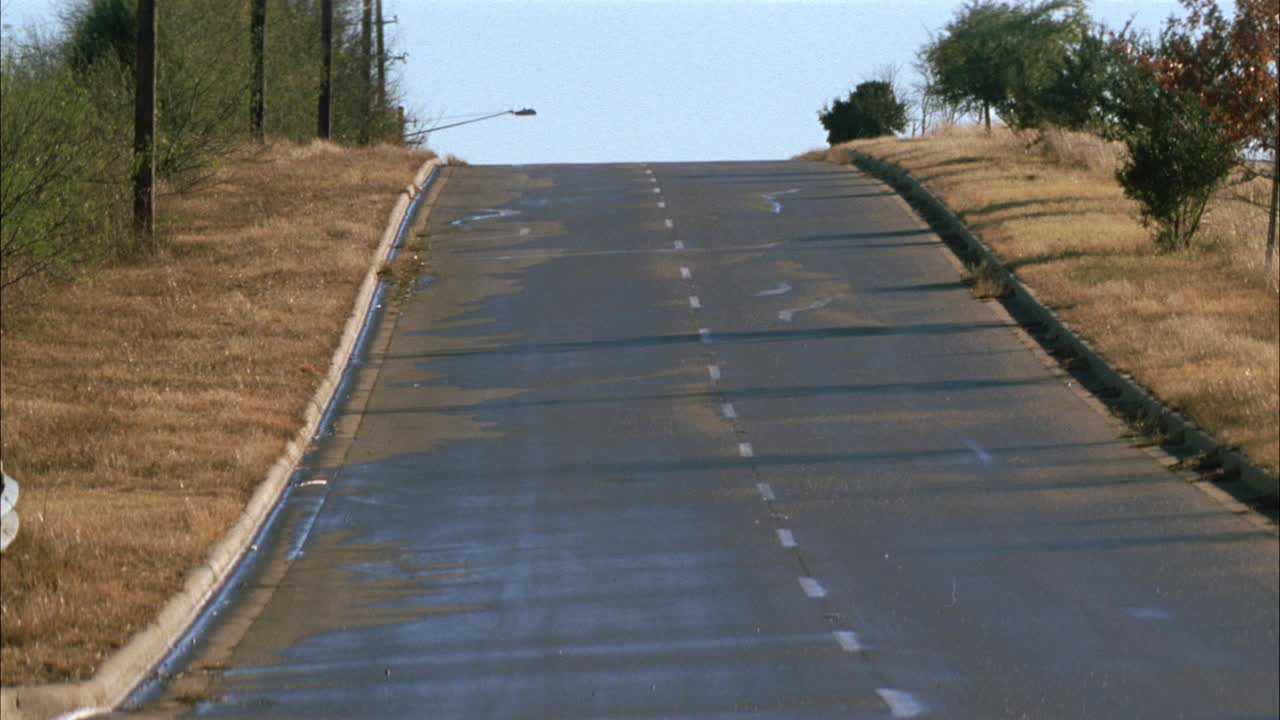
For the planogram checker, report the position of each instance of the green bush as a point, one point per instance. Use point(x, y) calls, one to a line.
point(1175, 162)
point(872, 109)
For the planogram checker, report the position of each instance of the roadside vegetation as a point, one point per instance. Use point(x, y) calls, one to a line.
point(146, 388)
point(1130, 180)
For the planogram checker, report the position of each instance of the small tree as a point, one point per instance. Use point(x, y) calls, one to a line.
point(1177, 158)
point(871, 110)
point(1230, 67)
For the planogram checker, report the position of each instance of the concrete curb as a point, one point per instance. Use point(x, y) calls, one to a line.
point(129, 665)
point(1228, 465)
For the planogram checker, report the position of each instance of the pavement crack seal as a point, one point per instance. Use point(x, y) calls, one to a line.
point(783, 288)
point(488, 214)
point(787, 315)
point(773, 199)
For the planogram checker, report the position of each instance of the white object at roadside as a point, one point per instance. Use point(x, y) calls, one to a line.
point(8, 511)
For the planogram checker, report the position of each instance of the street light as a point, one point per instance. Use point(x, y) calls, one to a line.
point(522, 112)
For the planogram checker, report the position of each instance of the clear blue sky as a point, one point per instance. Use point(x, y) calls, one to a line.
point(627, 80)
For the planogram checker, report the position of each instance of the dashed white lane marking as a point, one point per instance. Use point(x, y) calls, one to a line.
point(679, 244)
point(704, 334)
point(662, 205)
point(714, 372)
point(773, 199)
point(786, 315)
point(783, 288)
point(812, 588)
point(669, 223)
point(686, 273)
point(647, 171)
point(729, 411)
point(786, 538)
point(745, 450)
point(901, 704)
point(849, 641)
point(487, 214)
point(657, 191)
point(653, 179)
point(766, 492)
point(310, 483)
point(566, 254)
point(694, 302)
point(525, 230)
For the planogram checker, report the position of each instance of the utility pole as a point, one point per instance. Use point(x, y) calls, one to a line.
point(258, 79)
point(381, 99)
point(366, 64)
point(144, 126)
point(326, 72)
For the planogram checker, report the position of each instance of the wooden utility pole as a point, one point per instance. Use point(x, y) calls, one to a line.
point(258, 80)
point(326, 73)
point(366, 64)
point(381, 99)
point(144, 126)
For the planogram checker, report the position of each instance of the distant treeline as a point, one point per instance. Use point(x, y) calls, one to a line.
point(66, 112)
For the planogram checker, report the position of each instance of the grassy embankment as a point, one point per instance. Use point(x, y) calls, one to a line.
point(1199, 328)
point(143, 404)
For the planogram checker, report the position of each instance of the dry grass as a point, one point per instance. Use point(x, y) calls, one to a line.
point(143, 404)
point(1200, 327)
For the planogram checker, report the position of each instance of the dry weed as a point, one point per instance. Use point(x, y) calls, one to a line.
point(143, 404)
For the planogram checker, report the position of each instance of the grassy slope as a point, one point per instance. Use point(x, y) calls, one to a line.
point(1200, 328)
point(144, 404)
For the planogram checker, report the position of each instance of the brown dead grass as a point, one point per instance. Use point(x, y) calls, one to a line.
point(143, 404)
point(1200, 327)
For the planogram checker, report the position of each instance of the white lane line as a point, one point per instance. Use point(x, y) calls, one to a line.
point(678, 245)
point(785, 537)
point(745, 450)
point(783, 288)
point(714, 372)
point(704, 334)
point(786, 315)
point(647, 171)
point(766, 492)
point(686, 273)
point(311, 483)
point(812, 588)
point(901, 704)
point(657, 191)
point(566, 254)
point(653, 179)
point(525, 230)
point(773, 199)
point(729, 411)
point(662, 205)
point(669, 223)
point(694, 302)
point(849, 641)
point(487, 214)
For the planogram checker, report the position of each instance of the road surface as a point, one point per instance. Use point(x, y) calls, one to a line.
point(726, 440)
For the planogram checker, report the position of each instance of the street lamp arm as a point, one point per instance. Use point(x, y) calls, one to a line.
point(518, 113)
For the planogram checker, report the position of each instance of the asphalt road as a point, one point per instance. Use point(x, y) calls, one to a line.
point(726, 440)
